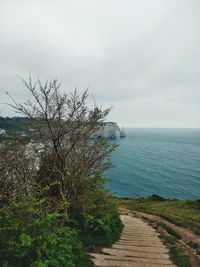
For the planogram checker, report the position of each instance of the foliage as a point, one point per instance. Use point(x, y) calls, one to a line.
point(180, 258)
point(72, 165)
point(101, 225)
point(14, 124)
point(194, 246)
point(169, 230)
point(64, 166)
point(82, 175)
point(168, 239)
point(31, 237)
point(178, 253)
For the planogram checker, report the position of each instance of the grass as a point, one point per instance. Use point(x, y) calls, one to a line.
point(171, 239)
point(177, 253)
point(180, 212)
point(169, 230)
point(195, 246)
point(179, 257)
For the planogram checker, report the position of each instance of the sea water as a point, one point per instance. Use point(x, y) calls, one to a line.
point(165, 162)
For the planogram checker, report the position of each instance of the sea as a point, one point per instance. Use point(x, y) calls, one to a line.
point(164, 162)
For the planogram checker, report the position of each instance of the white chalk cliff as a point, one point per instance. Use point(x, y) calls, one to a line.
point(109, 130)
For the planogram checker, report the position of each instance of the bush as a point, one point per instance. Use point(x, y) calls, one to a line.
point(100, 226)
point(31, 237)
point(180, 258)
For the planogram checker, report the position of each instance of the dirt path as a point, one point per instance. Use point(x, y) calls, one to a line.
point(187, 235)
point(138, 246)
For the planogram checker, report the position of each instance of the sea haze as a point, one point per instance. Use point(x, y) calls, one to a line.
point(157, 161)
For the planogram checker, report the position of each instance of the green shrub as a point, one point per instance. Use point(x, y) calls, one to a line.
point(169, 230)
point(180, 258)
point(99, 226)
point(31, 237)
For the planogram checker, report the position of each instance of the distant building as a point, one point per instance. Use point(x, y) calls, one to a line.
point(2, 131)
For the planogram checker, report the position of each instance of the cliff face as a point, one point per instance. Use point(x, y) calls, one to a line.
point(109, 130)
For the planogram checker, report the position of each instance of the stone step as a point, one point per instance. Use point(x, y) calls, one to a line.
point(139, 230)
point(127, 264)
point(142, 248)
point(139, 254)
point(139, 237)
point(138, 246)
point(137, 227)
point(140, 243)
point(132, 260)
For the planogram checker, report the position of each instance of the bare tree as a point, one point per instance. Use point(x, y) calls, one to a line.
point(71, 164)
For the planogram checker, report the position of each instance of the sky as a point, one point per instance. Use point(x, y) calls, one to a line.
point(142, 57)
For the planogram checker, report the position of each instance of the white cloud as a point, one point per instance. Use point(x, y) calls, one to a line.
point(142, 57)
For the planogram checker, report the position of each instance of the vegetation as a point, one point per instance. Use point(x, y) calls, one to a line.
point(64, 125)
point(52, 195)
point(101, 225)
point(180, 258)
point(195, 247)
point(16, 128)
point(180, 212)
point(169, 230)
point(29, 236)
point(177, 252)
point(14, 124)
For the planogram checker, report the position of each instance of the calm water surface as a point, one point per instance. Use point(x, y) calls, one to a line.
point(157, 161)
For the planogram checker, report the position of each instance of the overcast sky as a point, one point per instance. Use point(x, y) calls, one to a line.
point(140, 56)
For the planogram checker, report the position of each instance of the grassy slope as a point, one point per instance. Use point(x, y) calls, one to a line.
point(180, 212)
